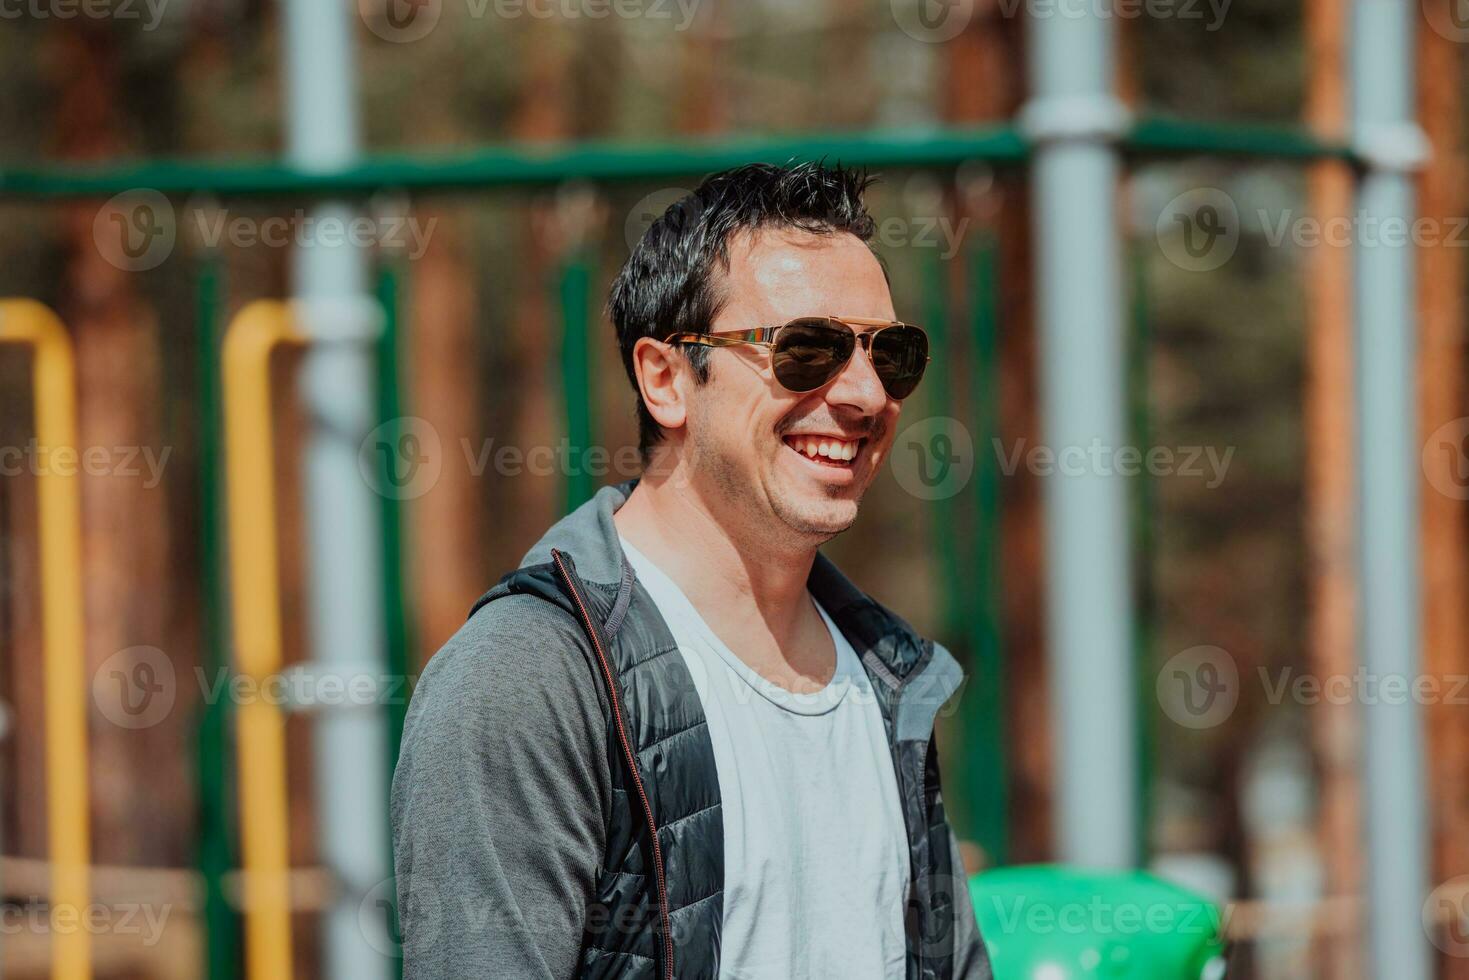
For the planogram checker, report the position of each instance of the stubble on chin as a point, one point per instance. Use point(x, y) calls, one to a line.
point(824, 525)
point(820, 519)
point(821, 515)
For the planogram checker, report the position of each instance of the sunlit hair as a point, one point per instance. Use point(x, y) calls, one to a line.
point(669, 284)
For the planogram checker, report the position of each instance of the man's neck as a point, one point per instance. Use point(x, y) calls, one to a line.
point(750, 589)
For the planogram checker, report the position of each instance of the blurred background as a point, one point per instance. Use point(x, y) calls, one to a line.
point(476, 173)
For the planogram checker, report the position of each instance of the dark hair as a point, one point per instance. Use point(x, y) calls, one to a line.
point(668, 284)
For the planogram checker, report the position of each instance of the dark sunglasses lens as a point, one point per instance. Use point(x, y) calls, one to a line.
point(809, 353)
point(899, 355)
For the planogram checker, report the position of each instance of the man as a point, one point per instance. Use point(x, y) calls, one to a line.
point(677, 742)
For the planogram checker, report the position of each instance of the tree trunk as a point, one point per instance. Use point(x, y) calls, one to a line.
point(1441, 283)
point(1330, 414)
point(141, 785)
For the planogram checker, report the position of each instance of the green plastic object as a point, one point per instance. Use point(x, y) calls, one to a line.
point(1047, 922)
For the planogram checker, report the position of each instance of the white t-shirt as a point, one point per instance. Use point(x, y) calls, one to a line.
point(815, 850)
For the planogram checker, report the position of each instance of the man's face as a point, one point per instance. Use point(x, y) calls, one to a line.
point(775, 456)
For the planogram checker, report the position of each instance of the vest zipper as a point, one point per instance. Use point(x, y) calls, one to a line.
point(920, 960)
point(664, 917)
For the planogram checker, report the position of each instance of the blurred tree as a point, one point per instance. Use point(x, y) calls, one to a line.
point(1330, 483)
point(1441, 369)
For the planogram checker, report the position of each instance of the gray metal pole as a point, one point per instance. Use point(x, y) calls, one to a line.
point(1074, 120)
point(337, 379)
point(1388, 138)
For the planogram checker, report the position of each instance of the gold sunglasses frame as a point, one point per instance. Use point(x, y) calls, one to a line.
point(765, 337)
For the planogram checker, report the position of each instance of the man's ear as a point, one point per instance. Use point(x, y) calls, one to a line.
point(663, 377)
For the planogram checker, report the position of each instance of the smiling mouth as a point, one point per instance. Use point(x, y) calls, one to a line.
point(826, 450)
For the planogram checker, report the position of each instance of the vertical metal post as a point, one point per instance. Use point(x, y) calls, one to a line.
point(969, 594)
point(396, 618)
point(344, 517)
point(1391, 145)
point(938, 389)
point(58, 501)
point(574, 289)
point(212, 763)
point(1074, 120)
point(255, 619)
point(987, 773)
point(1140, 434)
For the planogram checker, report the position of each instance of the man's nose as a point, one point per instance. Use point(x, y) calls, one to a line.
point(858, 385)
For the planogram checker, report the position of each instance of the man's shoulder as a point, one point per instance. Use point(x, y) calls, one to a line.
point(517, 615)
point(514, 652)
point(503, 785)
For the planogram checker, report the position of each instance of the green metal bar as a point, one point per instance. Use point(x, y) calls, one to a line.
point(518, 165)
point(398, 629)
point(605, 161)
point(984, 716)
point(574, 287)
point(1165, 136)
point(212, 759)
point(1143, 502)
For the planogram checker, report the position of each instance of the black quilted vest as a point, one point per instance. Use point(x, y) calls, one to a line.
point(659, 906)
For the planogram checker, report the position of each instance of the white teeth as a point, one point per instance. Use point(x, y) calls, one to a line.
point(834, 449)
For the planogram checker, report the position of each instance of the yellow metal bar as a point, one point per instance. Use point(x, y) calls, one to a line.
point(59, 496)
point(255, 598)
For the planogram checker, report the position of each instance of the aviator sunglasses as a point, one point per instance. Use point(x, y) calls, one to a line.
point(810, 351)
